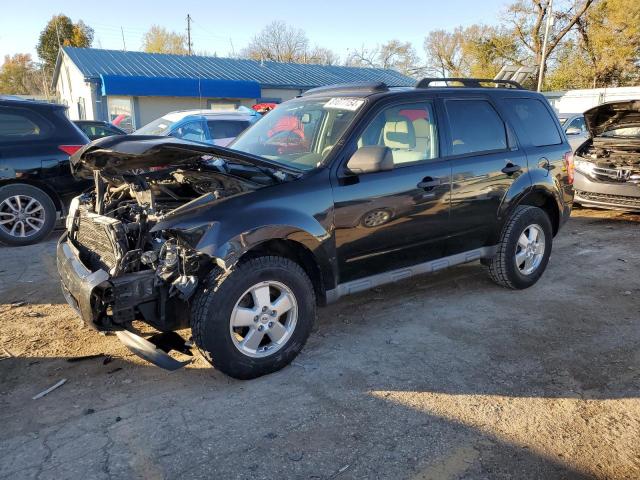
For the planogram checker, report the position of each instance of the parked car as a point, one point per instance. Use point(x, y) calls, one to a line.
point(242, 244)
point(215, 127)
point(36, 140)
point(608, 164)
point(98, 129)
point(574, 127)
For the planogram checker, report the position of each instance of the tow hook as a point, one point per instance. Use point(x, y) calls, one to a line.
point(155, 349)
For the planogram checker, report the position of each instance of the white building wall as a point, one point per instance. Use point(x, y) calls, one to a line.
point(72, 90)
point(150, 108)
point(283, 94)
point(577, 101)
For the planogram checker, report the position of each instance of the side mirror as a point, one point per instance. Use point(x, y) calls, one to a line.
point(573, 131)
point(370, 159)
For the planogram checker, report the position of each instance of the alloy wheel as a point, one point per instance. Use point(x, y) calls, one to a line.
point(264, 319)
point(21, 216)
point(530, 249)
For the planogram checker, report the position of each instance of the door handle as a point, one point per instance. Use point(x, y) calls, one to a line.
point(510, 168)
point(428, 183)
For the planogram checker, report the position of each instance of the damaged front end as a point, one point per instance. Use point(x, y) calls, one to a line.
point(608, 164)
point(115, 264)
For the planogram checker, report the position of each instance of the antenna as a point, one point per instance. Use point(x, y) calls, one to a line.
point(124, 45)
point(189, 44)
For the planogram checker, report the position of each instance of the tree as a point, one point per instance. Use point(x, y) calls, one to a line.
point(19, 75)
point(605, 50)
point(159, 40)
point(394, 54)
point(278, 42)
point(61, 31)
point(321, 56)
point(477, 51)
point(528, 19)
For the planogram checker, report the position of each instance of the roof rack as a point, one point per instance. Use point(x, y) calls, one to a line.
point(363, 87)
point(469, 82)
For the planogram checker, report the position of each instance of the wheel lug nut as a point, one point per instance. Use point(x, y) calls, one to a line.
point(270, 324)
point(255, 319)
point(260, 328)
point(264, 309)
point(273, 313)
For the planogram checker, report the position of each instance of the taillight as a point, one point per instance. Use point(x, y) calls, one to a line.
point(569, 166)
point(70, 149)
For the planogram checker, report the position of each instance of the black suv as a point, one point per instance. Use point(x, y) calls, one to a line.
point(36, 141)
point(340, 190)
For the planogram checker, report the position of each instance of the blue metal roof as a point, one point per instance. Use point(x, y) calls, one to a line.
point(94, 63)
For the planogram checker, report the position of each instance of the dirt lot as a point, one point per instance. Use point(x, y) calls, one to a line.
point(447, 376)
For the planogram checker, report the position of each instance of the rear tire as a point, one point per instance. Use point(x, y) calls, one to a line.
point(27, 214)
point(524, 249)
point(226, 300)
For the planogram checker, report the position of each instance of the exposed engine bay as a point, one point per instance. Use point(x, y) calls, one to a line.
point(613, 159)
point(151, 271)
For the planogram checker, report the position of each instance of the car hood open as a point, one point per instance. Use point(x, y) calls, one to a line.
point(612, 115)
point(124, 153)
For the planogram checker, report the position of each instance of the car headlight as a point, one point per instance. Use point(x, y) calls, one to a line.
point(583, 166)
point(73, 208)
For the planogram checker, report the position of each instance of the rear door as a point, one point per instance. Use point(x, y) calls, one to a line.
point(387, 220)
point(485, 162)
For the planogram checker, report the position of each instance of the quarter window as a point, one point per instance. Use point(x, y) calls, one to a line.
point(15, 126)
point(475, 127)
point(536, 120)
point(408, 130)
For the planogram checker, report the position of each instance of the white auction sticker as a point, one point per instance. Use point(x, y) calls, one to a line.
point(338, 103)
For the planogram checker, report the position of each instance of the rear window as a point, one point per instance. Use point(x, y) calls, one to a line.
point(221, 129)
point(475, 127)
point(19, 124)
point(536, 119)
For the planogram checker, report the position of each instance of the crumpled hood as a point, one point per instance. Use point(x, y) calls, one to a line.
point(124, 153)
point(612, 115)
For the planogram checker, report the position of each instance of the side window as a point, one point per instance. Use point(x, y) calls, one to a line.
point(536, 120)
point(17, 125)
point(475, 127)
point(578, 123)
point(190, 131)
point(222, 129)
point(409, 130)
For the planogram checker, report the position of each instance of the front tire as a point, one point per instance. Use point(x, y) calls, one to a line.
point(524, 249)
point(255, 319)
point(27, 214)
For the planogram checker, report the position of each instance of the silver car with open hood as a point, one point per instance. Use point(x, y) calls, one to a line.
point(607, 166)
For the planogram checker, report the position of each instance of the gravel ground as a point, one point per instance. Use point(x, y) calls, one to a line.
point(443, 377)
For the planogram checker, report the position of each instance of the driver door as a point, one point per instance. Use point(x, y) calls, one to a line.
point(391, 219)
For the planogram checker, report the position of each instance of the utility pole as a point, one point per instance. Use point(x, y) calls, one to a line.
point(189, 44)
point(543, 57)
point(124, 45)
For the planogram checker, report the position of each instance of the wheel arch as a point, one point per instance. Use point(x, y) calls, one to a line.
point(299, 253)
point(545, 201)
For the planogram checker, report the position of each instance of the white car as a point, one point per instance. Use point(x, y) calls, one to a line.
point(215, 127)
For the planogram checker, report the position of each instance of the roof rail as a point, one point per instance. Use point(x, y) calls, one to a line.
point(469, 82)
point(365, 87)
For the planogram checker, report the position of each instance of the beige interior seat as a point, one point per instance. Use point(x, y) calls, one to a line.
point(400, 136)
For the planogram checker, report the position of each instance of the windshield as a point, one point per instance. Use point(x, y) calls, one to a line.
point(159, 126)
point(300, 133)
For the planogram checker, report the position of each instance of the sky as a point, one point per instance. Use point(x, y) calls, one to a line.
point(224, 27)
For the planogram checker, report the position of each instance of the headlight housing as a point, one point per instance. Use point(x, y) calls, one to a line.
point(583, 166)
